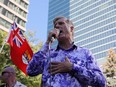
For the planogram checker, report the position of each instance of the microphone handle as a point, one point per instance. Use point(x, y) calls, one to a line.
point(52, 39)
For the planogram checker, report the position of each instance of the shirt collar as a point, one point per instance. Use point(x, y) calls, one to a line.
point(70, 49)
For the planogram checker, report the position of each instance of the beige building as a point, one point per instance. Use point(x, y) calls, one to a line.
point(13, 10)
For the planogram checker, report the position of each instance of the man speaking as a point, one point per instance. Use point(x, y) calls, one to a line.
point(67, 65)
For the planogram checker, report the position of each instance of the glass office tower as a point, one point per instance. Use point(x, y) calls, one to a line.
point(13, 10)
point(94, 21)
point(57, 8)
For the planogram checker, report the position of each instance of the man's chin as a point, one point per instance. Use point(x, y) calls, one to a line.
point(61, 39)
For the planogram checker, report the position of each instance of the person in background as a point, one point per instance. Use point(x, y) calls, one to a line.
point(8, 77)
point(67, 65)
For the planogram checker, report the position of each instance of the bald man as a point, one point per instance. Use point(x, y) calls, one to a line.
point(9, 78)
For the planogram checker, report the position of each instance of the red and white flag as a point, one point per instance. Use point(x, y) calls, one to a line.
point(20, 50)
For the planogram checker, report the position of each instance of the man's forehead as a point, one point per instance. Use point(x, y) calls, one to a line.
point(60, 20)
point(9, 69)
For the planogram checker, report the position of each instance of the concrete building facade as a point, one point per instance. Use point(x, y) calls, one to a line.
point(13, 10)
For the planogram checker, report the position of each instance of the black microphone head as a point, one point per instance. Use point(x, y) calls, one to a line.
point(54, 36)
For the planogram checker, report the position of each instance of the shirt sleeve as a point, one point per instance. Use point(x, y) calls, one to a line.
point(89, 73)
point(18, 84)
point(36, 65)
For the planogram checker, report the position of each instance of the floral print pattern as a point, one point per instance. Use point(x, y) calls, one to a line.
point(85, 70)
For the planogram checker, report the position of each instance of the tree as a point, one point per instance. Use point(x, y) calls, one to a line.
point(4, 55)
point(33, 41)
point(5, 60)
point(109, 68)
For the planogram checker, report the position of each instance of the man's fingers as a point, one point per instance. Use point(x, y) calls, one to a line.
point(55, 72)
point(60, 67)
point(67, 59)
point(52, 66)
point(53, 69)
point(55, 63)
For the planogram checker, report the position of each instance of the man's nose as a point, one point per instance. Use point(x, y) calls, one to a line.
point(57, 26)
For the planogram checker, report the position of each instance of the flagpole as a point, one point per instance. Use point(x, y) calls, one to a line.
point(2, 46)
point(5, 41)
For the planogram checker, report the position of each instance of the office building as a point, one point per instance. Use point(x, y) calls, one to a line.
point(94, 21)
point(13, 10)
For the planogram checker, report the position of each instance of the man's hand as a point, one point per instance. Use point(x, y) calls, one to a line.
point(60, 67)
point(53, 33)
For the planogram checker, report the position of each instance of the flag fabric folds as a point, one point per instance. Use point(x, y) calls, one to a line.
point(20, 50)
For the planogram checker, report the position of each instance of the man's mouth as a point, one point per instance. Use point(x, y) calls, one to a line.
point(61, 31)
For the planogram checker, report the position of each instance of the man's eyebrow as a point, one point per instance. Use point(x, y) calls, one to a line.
point(6, 67)
point(59, 22)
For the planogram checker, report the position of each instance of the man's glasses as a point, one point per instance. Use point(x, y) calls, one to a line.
point(6, 72)
point(59, 23)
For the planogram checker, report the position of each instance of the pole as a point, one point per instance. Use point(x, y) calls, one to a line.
point(2, 46)
point(49, 59)
point(5, 41)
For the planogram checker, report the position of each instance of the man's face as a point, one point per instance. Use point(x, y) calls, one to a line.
point(64, 27)
point(7, 75)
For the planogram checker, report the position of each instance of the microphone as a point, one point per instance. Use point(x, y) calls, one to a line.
point(55, 35)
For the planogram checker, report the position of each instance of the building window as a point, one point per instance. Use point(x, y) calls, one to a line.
point(1, 9)
point(2, 22)
point(8, 25)
point(10, 15)
point(25, 6)
point(6, 2)
point(2, 1)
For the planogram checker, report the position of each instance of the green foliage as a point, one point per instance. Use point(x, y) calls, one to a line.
point(5, 60)
point(4, 55)
point(109, 69)
point(33, 41)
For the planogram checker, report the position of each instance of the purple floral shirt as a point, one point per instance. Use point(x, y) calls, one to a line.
point(85, 71)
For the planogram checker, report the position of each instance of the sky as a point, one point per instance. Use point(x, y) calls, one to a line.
point(37, 18)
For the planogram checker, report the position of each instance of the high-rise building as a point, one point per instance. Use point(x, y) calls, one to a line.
point(13, 10)
point(57, 8)
point(94, 21)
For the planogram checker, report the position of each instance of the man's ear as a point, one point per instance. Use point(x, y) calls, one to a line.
point(72, 28)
